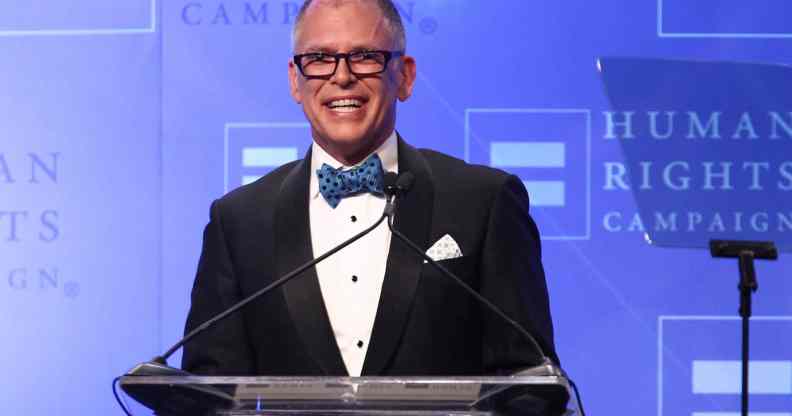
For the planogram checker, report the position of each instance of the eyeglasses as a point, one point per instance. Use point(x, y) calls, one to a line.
point(324, 65)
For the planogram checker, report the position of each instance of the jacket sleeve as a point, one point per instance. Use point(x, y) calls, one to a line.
point(513, 278)
point(223, 349)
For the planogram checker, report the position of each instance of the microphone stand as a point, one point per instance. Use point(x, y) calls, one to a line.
point(402, 183)
point(547, 367)
point(472, 292)
point(158, 365)
point(199, 399)
point(745, 252)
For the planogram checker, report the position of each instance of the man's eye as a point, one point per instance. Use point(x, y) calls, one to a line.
point(367, 56)
point(318, 57)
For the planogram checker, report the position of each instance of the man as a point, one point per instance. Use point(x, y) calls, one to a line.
point(374, 308)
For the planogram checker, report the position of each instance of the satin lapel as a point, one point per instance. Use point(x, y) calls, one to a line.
point(303, 294)
point(414, 219)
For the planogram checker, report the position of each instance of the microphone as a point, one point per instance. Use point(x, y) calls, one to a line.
point(400, 186)
point(206, 397)
point(391, 188)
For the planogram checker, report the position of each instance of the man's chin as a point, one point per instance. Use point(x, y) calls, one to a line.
point(347, 143)
point(345, 138)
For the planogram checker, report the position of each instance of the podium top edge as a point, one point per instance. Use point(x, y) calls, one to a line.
point(232, 380)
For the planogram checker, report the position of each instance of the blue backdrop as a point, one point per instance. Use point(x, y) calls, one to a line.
point(123, 120)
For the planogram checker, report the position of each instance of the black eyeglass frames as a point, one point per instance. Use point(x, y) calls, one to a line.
point(322, 64)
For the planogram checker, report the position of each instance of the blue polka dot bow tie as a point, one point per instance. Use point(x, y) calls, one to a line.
point(337, 184)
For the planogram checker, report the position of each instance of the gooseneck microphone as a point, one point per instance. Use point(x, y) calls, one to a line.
point(400, 187)
point(202, 397)
point(158, 366)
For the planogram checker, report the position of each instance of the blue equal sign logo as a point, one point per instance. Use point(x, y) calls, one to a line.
point(264, 159)
point(724, 377)
point(254, 149)
point(700, 373)
point(550, 150)
point(512, 155)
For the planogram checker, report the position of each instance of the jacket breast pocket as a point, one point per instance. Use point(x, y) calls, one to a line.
point(464, 267)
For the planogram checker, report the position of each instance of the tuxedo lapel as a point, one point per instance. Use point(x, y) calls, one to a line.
point(303, 294)
point(414, 219)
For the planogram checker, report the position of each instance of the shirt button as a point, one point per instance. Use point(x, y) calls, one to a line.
point(353, 218)
point(354, 278)
point(360, 344)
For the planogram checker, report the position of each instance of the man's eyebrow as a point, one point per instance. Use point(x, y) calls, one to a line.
point(364, 48)
point(323, 49)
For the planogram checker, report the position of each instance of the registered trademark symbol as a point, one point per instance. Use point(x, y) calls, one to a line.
point(71, 289)
point(428, 25)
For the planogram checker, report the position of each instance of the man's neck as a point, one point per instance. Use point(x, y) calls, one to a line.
point(353, 155)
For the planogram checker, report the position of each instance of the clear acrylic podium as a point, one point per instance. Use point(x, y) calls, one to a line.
point(524, 394)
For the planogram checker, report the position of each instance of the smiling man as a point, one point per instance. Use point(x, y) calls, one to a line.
point(375, 307)
point(348, 73)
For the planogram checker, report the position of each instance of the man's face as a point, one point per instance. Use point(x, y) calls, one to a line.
point(347, 131)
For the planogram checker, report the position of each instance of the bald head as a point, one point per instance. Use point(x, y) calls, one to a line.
point(390, 15)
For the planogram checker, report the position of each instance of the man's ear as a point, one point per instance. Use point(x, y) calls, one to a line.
point(293, 83)
point(408, 74)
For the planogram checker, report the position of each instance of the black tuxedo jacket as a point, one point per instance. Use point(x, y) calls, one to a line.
point(425, 323)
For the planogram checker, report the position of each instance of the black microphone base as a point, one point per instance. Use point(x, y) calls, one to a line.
point(155, 368)
point(175, 399)
point(545, 400)
point(546, 369)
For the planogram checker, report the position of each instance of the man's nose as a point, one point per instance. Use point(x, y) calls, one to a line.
point(343, 76)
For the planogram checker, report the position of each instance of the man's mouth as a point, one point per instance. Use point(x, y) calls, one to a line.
point(345, 105)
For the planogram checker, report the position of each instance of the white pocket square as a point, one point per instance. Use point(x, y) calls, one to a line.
point(444, 249)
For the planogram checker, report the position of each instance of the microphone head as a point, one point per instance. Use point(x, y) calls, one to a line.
point(404, 182)
point(389, 183)
point(397, 185)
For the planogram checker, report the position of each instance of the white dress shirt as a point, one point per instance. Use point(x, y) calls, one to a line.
point(351, 280)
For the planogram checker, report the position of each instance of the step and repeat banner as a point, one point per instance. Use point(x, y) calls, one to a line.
point(80, 200)
point(124, 120)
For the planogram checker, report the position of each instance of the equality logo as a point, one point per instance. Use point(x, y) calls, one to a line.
point(550, 150)
point(699, 374)
point(251, 150)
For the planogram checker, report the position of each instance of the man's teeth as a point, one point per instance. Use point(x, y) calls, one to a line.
point(345, 105)
point(344, 109)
